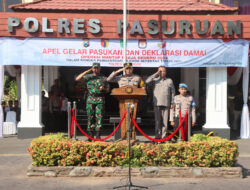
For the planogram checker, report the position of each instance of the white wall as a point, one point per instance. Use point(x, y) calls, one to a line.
point(214, 1)
point(27, 1)
point(190, 76)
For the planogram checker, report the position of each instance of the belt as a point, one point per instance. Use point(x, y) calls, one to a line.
point(96, 95)
point(55, 108)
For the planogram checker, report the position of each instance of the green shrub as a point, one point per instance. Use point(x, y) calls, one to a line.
point(56, 150)
point(202, 137)
point(199, 137)
point(10, 89)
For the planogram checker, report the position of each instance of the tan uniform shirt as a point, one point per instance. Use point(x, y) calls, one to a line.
point(164, 90)
point(133, 80)
point(182, 102)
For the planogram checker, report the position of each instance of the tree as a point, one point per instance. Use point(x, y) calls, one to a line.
point(10, 89)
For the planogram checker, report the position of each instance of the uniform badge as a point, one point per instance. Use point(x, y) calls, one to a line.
point(129, 89)
point(104, 43)
point(85, 43)
point(142, 44)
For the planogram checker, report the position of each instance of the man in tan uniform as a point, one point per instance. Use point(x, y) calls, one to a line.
point(128, 79)
point(182, 102)
point(164, 93)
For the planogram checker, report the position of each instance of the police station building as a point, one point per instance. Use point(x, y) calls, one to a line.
point(198, 42)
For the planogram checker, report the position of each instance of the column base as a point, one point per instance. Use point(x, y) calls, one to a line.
point(222, 131)
point(27, 131)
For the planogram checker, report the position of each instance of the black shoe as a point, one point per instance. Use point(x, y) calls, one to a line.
point(91, 134)
point(98, 134)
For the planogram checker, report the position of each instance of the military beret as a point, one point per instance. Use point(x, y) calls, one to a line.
point(96, 65)
point(183, 85)
point(127, 64)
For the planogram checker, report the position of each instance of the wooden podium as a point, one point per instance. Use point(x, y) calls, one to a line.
point(128, 94)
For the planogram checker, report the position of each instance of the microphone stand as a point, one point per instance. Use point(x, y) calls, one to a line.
point(129, 130)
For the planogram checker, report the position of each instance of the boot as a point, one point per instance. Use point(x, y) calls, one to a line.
point(91, 134)
point(98, 134)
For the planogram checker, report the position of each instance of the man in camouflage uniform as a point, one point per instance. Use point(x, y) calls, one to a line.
point(128, 79)
point(97, 86)
point(182, 102)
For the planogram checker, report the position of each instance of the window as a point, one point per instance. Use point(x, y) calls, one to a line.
point(229, 3)
point(244, 6)
point(7, 3)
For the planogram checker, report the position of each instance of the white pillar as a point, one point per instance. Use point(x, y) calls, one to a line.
point(27, 1)
point(55, 71)
point(216, 102)
point(190, 76)
point(18, 82)
point(30, 125)
point(51, 76)
point(1, 94)
point(215, 1)
point(46, 79)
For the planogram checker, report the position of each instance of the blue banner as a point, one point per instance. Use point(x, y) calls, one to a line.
point(142, 53)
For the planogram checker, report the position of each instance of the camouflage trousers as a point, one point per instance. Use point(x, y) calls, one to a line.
point(95, 116)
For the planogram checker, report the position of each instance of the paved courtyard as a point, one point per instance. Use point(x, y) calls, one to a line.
point(14, 161)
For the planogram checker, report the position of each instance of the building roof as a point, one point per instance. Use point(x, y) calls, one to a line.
point(117, 5)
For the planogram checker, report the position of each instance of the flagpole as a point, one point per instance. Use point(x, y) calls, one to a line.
point(129, 185)
point(124, 31)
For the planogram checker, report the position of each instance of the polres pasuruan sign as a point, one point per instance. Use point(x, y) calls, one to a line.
point(109, 26)
point(93, 25)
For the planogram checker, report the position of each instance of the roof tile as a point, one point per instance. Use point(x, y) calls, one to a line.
point(132, 5)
